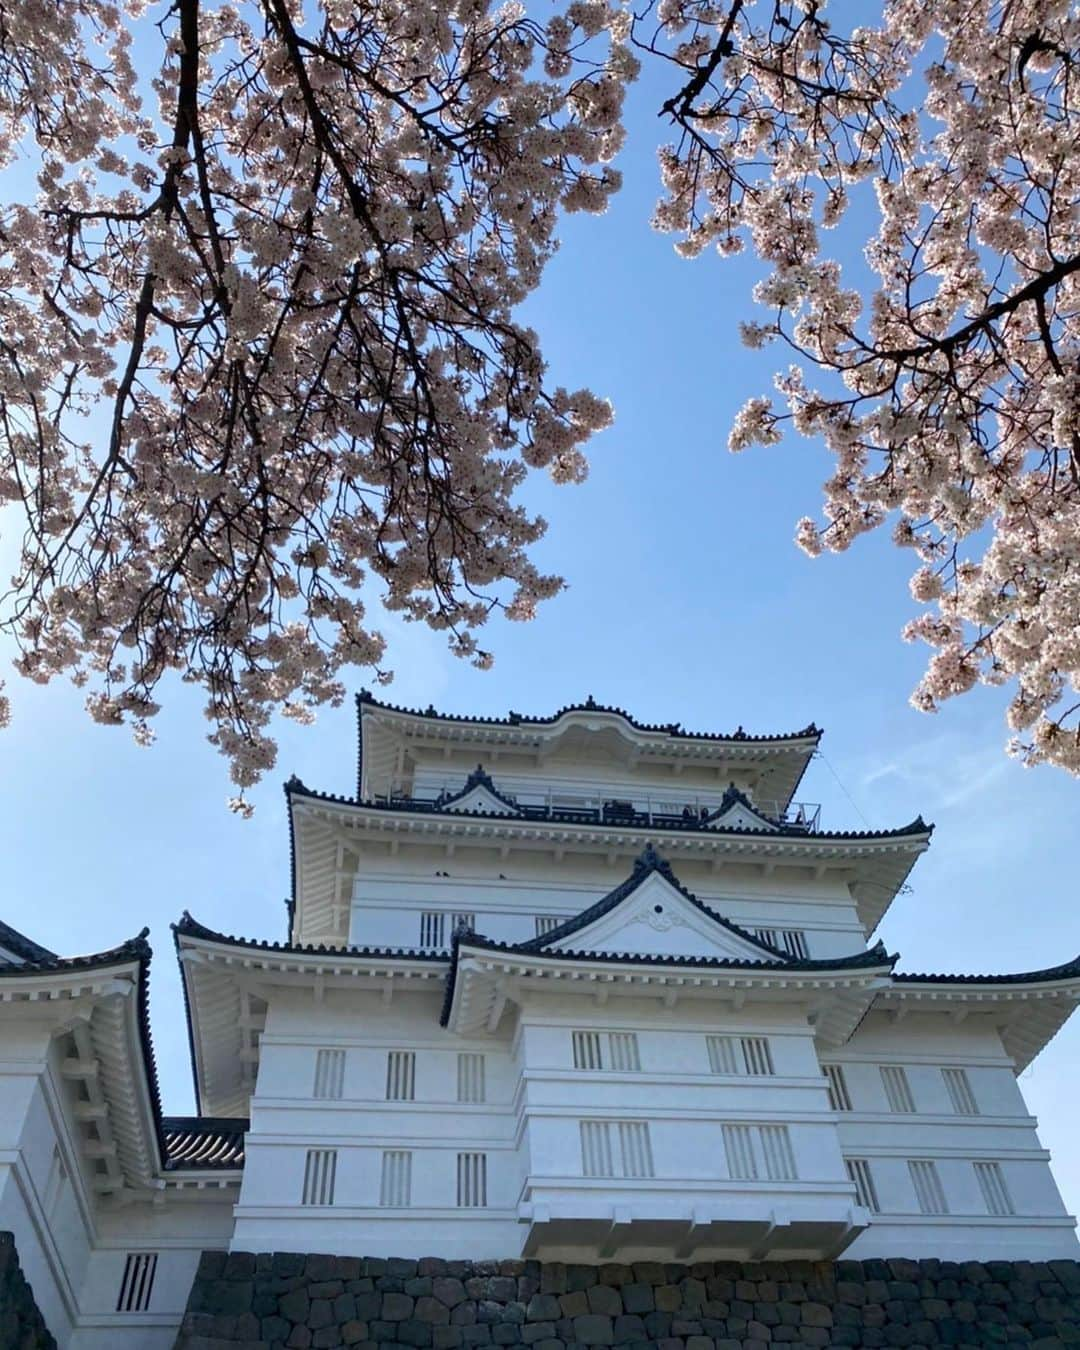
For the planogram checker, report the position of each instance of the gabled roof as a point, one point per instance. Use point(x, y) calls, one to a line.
point(646, 865)
point(21, 947)
point(479, 796)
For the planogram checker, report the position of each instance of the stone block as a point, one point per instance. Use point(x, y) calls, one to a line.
point(604, 1299)
point(414, 1332)
point(352, 1333)
point(320, 1314)
point(433, 1310)
point(638, 1297)
point(543, 1308)
point(446, 1338)
point(448, 1291)
point(594, 1329)
point(575, 1304)
point(326, 1338)
point(629, 1327)
point(532, 1332)
point(667, 1298)
point(397, 1307)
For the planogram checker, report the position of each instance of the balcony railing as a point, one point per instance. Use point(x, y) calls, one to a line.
point(659, 812)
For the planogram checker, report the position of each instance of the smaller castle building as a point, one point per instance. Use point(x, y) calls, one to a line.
point(573, 988)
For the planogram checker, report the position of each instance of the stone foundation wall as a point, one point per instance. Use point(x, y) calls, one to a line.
point(22, 1326)
point(284, 1301)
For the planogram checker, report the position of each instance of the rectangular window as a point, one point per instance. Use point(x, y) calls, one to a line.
point(401, 1076)
point(587, 1050)
point(636, 1148)
point(992, 1184)
point(960, 1093)
point(395, 1190)
point(546, 923)
point(597, 1159)
point(790, 940)
point(463, 921)
point(432, 927)
point(471, 1180)
point(839, 1097)
point(138, 1282)
point(928, 1188)
point(721, 1053)
point(329, 1073)
point(470, 1078)
point(320, 1173)
point(897, 1089)
point(756, 1055)
point(858, 1169)
point(623, 1051)
point(616, 1148)
point(777, 1152)
point(739, 1150)
point(616, 1050)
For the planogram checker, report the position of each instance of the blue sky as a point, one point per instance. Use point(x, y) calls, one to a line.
point(688, 601)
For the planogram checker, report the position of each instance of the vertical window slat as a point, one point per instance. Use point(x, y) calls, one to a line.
point(739, 1150)
point(587, 1050)
point(320, 1176)
point(839, 1097)
point(623, 1051)
point(928, 1189)
point(472, 1180)
point(777, 1152)
point(756, 1055)
point(960, 1094)
point(995, 1193)
point(137, 1282)
point(329, 1073)
point(395, 1191)
point(858, 1169)
point(432, 929)
point(546, 923)
point(470, 1078)
point(897, 1089)
point(401, 1076)
point(721, 1053)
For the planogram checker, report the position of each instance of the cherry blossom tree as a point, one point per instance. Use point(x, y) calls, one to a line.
point(258, 352)
point(258, 357)
point(941, 368)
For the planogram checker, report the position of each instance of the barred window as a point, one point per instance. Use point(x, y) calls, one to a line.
point(743, 1054)
point(858, 1169)
point(432, 928)
point(320, 1173)
point(960, 1093)
point(395, 1190)
point(615, 1050)
point(546, 923)
point(463, 920)
point(777, 1152)
point(470, 1078)
point(739, 1151)
point(721, 1053)
point(471, 1180)
point(137, 1283)
point(616, 1148)
point(992, 1184)
point(757, 1057)
point(790, 940)
point(329, 1073)
point(897, 1089)
point(928, 1187)
point(839, 1097)
point(401, 1076)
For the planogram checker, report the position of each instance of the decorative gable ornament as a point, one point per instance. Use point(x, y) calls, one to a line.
point(480, 797)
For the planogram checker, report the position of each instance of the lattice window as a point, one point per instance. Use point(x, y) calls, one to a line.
point(790, 940)
point(463, 920)
point(616, 1148)
point(839, 1097)
point(636, 1148)
point(858, 1169)
point(756, 1055)
point(401, 1076)
point(138, 1282)
point(623, 1051)
point(928, 1188)
point(777, 1152)
point(470, 1078)
point(960, 1093)
point(547, 923)
point(897, 1089)
point(739, 1150)
point(992, 1184)
point(395, 1189)
point(471, 1180)
point(329, 1073)
point(320, 1174)
point(722, 1054)
point(432, 928)
point(587, 1050)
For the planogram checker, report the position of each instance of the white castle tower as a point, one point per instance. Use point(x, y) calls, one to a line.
point(569, 987)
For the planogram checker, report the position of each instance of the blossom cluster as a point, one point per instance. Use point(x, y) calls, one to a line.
point(259, 354)
point(949, 395)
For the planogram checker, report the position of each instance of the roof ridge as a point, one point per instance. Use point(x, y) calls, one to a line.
point(514, 719)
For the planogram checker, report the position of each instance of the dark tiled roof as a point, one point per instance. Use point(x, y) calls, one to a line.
point(22, 946)
point(189, 927)
point(294, 787)
point(877, 958)
point(203, 1143)
point(515, 719)
point(479, 778)
point(648, 863)
point(1068, 971)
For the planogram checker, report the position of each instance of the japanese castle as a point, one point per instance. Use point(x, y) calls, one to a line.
point(568, 987)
